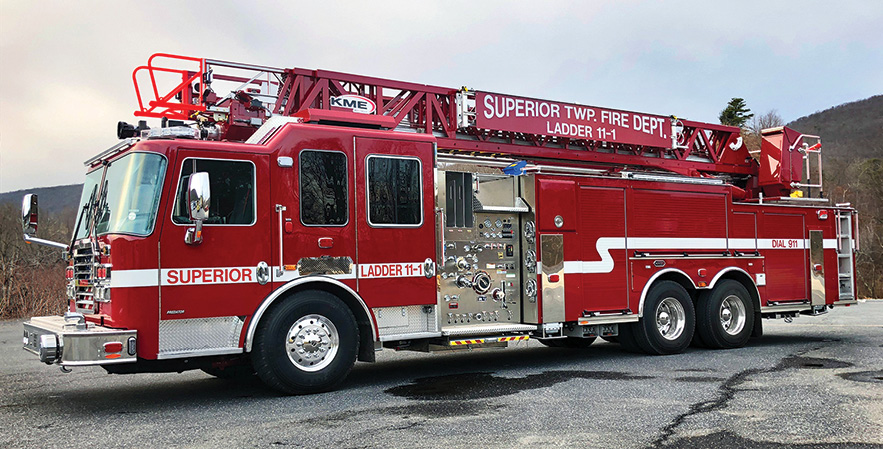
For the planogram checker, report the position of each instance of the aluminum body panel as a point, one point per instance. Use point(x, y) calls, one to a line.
point(552, 254)
point(817, 268)
point(185, 336)
point(405, 320)
point(530, 306)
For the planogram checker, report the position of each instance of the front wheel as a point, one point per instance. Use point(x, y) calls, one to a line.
point(669, 320)
point(307, 344)
point(726, 316)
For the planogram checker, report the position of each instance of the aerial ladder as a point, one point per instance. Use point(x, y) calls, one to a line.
point(783, 169)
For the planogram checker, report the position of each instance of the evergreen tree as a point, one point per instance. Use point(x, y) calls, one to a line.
point(736, 113)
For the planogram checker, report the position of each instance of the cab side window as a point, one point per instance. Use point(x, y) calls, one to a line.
point(395, 197)
point(323, 188)
point(232, 191)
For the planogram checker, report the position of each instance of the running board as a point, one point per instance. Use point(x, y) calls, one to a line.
point(487, 329)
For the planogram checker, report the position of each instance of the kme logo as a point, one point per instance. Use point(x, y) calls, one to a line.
point(356, 103)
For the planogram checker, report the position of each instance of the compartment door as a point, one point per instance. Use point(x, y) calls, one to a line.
point(603, 257)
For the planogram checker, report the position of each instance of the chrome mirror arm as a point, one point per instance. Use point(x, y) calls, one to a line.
point(31, 239)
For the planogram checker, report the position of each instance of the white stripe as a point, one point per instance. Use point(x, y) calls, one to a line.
point(781, 243)
point(363, 271)
point(287, 276)
point(176, 277)
point(134, 278)
point(742, 243)
point(390, 270)
point(605, 244)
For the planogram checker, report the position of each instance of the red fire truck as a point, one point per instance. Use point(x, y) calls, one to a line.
point(308, 219)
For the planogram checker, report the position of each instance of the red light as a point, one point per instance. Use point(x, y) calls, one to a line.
point(113, 347)
point(554, 278)
point(823, 214)
point(101, 273)
point(69, 273)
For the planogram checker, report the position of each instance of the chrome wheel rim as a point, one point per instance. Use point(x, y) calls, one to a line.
point(312, 342)
point(732, 315)
point(670, 318)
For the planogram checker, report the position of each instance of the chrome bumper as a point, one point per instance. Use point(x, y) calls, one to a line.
point(71, 341)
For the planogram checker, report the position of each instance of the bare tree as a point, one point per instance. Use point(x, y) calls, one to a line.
point(752, 135)
point(769, 119)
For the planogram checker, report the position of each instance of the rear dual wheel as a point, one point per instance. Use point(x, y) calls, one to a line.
point(725, 316)
point(668, 322)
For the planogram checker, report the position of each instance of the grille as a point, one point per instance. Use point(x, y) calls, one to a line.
point(85, 258)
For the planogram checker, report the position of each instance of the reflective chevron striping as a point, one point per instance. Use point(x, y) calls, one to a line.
point(515, 338)
point(467, 342)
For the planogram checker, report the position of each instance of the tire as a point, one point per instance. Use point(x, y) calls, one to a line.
point(697, 341)
point(568, 342)
point(627, 340)
point(669, 320)
point(725, 316)
point(307, 344)
point(237, 373)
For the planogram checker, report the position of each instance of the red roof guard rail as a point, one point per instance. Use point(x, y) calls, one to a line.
point(180, 101)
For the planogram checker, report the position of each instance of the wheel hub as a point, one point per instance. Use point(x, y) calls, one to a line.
point(732, 315)
point(312, 342)
point(670, 318)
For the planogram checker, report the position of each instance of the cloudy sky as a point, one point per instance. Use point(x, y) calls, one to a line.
point(65, 67)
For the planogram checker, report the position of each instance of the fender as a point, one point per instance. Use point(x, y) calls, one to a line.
point(652, 280)
point(256, 318)
point(728, 269)
point(710, 285)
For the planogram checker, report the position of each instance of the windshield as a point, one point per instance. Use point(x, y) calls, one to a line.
point(127, 203)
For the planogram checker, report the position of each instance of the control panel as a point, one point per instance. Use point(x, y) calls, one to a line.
point(480, 277)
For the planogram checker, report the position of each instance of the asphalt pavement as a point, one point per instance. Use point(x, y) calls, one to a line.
point(813, 383)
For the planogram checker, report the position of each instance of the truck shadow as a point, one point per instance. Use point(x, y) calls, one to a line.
point(400, 374)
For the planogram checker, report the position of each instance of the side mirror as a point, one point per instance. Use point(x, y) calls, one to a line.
point(29, 215)
point(199, 197)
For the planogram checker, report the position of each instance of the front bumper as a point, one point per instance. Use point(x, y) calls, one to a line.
point(70, 341)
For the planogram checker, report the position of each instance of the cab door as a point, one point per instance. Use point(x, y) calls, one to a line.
point(396, 223)
point(318, 237)
point(207, 289)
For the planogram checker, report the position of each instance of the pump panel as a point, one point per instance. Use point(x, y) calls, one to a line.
point(480, 266)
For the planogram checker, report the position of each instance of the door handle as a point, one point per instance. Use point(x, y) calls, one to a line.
point(326, 242)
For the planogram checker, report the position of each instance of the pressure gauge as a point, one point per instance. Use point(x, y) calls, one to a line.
point(481, 283)
point(499, 223)
point(487, 222)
